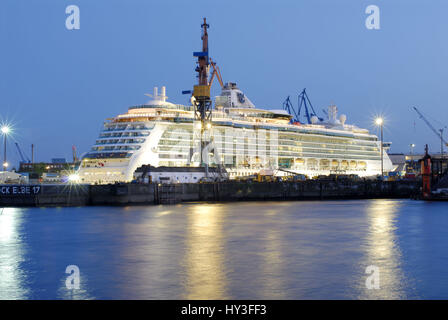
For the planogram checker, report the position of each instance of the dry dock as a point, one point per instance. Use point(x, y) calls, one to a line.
point(134, 194)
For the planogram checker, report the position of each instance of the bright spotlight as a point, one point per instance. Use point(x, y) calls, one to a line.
point(379, 121)
point(73, 178)
point(5, 129)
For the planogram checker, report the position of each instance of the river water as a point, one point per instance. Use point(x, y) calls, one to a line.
point(245, 250)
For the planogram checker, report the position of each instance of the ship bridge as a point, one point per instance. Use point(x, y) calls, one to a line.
point(232, 97)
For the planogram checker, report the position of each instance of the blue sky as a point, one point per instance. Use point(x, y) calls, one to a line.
point(57, 86)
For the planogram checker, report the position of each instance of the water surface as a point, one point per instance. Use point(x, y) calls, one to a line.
point(247, 250)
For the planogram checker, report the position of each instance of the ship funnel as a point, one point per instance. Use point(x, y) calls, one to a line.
point(163, 95)
point(156, 92)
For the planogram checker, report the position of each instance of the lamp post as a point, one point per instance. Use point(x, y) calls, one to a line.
point(379, 122)
point(412, 145)
point(441, 151)
point(5, 131)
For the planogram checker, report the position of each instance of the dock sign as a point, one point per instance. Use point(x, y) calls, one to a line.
point(21, 190)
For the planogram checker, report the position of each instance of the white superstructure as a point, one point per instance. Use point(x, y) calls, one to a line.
point(245, 139)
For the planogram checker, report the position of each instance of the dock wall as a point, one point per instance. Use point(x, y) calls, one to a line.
point(132, 194)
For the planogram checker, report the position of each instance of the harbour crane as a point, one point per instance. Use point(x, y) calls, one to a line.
point(22, 155)
point(439, 132)
point(303, 102)
point(288, 107)
point(202, 102)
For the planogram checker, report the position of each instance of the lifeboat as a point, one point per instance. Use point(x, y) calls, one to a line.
point(324, 163)
point(311, 163)
point(362, 164)
point(335, 163)
point(344, 164)
point(299, 161)
point(353, 164)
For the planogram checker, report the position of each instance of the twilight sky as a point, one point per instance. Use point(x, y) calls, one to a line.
point(57, 86)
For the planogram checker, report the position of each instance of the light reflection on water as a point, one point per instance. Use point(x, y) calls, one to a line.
point(12, 250)
point(247, 250)
point(383, 250)
point(205, 253)
point(273, 264)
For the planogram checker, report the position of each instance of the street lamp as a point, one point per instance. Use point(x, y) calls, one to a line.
point(379, 122)
point(5, 130)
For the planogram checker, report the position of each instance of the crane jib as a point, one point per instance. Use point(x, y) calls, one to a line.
point(438, 133)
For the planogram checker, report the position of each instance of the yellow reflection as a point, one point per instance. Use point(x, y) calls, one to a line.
point(204, 255)
point(12, 282)
point(273, 264)
point(163, 213)
point(383, 250)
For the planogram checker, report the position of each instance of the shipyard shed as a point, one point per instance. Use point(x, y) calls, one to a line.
point(148, 174)
point(12, 177)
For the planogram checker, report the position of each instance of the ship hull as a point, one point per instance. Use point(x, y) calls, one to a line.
point(244, 150)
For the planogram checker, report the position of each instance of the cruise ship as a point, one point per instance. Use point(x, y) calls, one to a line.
point(243, 139)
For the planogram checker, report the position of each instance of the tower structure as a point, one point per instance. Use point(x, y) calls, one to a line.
point(201, 98)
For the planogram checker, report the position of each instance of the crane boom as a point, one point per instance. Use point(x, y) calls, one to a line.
point(438, 133)
point(217, 73)
point(304, 100)
point(21, 154)
point(288, 107)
